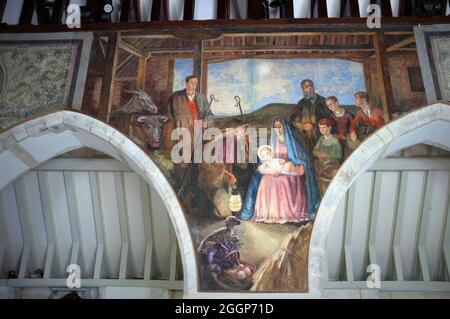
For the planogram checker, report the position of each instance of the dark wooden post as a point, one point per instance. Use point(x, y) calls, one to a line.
point(189, 6)
point(383, 75)
point(2, 8)
point(125, 10)
point(321, 8)
point(353, 6)
point(406, 8)
point(443, 8)
point(223, 9)
point(159, 10)
point(43, 14)
point(93, 6)
point(106, 94)
point(198, 63)
point(255, 9)
point(58, 10)
point(287, 11)
point(204, 88)
point(27, 12)
point(137, 10)
point(386, 9)
point(140, 74)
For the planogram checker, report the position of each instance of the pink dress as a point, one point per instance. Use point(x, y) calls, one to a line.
point(281, 199)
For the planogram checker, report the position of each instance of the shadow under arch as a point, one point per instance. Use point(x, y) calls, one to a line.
point(42, 137)
point(427, 125)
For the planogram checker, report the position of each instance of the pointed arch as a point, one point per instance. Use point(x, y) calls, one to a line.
point(34, 141)
point(427, 125)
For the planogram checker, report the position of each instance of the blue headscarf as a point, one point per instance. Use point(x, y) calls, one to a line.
point(296, 155)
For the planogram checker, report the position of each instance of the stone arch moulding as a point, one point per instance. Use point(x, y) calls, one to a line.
point(34, 141)
point(427, 125)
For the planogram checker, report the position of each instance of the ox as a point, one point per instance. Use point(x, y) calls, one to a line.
point(152, 125)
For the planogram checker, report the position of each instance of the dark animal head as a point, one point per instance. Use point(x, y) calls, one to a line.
point(153, 125)
point(231, 221)
point(145, 101)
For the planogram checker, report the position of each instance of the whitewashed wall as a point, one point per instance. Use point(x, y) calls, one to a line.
point(73, 210)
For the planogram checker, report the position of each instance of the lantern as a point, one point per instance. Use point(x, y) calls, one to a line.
point(235, 202)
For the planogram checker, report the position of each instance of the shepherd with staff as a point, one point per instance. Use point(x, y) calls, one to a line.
point(187, 106)
point(184, 108)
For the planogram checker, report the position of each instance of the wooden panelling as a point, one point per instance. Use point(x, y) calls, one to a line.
point(394, 216)
point(110, 222)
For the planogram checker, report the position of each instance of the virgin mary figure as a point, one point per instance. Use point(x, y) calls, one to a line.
point(286, 195)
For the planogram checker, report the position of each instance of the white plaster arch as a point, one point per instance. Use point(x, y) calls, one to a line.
point(32, 142)
point(427, 125)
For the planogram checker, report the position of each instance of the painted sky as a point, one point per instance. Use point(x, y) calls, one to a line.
point(259, 82)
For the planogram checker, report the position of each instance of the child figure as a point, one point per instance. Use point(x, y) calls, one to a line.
point(328, 154)
point(340, 122)
point(274, 166)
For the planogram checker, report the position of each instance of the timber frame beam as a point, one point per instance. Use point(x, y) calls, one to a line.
point(400, 45)
point(352, 24)
point(124, 45)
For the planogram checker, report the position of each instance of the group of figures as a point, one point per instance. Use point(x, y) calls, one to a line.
point(329, 132)
point(293, 171)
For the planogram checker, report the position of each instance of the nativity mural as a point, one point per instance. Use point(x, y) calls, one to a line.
point(250, 148)
point(249, 143)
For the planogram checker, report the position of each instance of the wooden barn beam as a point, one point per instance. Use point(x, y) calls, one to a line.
point(131, 49)
point(198, 63)
point(140, 74)
point(402, 43)
point(383, 75)
point(106, 95)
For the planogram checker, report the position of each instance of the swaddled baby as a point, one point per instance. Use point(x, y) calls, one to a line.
point(272, 165)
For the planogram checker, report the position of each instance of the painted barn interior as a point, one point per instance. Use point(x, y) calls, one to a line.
point(87, 177)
